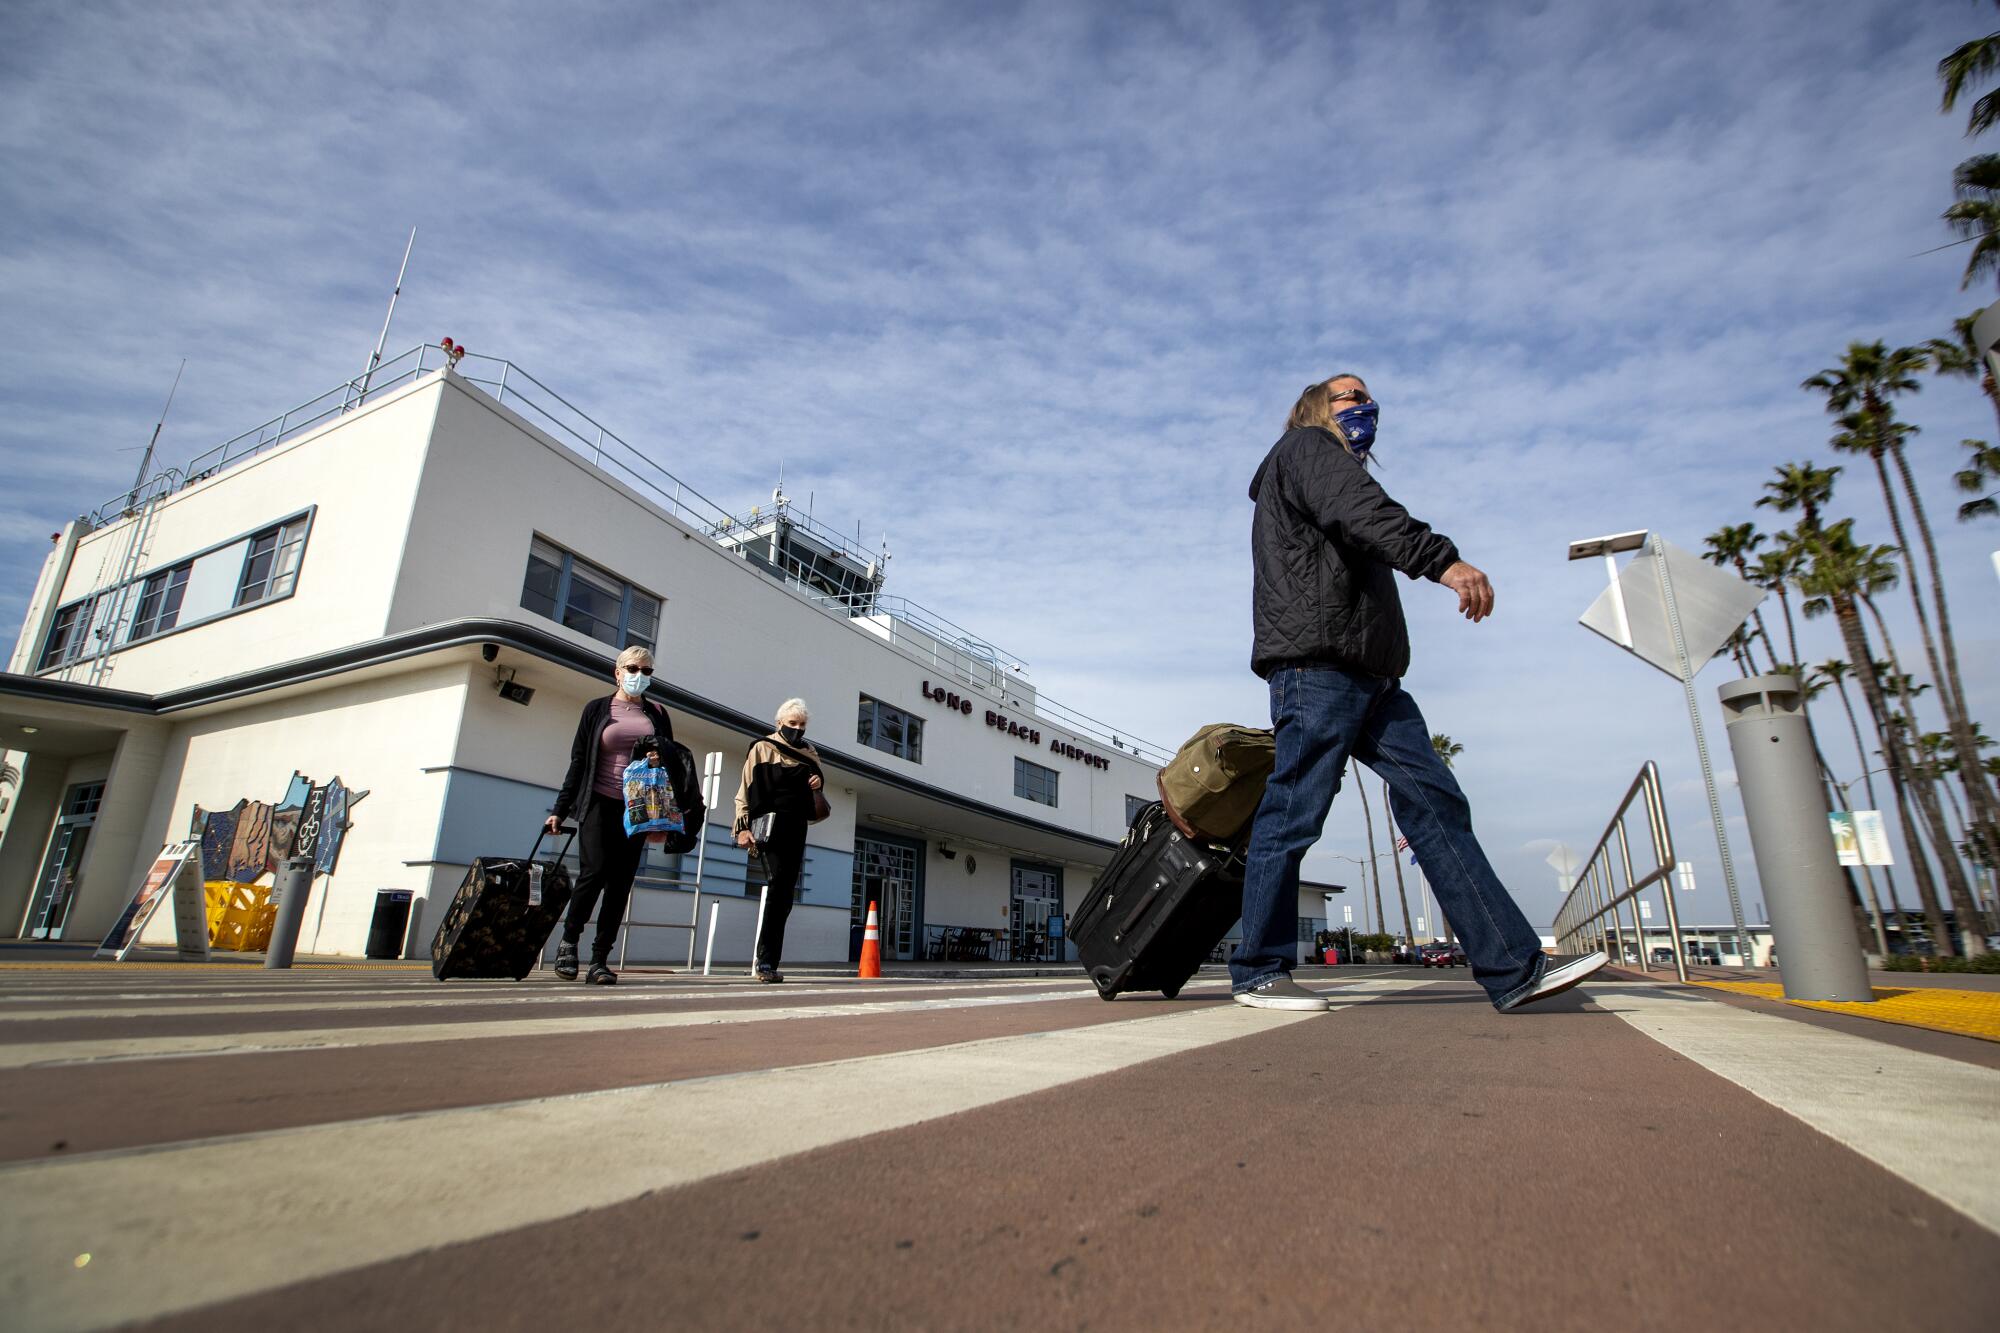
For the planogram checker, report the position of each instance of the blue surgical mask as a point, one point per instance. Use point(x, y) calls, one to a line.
point(1357, 424)
point(635, 684)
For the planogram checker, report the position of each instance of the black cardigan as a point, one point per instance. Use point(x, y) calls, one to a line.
point(583, 750)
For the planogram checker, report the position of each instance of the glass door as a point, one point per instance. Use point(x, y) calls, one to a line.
point(888, 872)
point(1037, 896)
point(55, 887)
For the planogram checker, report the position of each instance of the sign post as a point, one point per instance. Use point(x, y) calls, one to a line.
point(176, 870)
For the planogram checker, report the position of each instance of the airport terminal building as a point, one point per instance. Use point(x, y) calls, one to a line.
point(365, 630)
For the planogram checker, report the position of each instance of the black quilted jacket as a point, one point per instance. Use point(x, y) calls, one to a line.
point(1325, 541)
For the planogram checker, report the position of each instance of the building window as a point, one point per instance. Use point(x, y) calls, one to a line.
point(588, 599)
point(160, 601)
point(66, 635)
point(891, 730)
point(1032, 782)
point(271, 566)
point(1133, 805)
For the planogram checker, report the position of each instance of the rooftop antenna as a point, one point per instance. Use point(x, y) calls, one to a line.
point(146, 459)
point(376, 359)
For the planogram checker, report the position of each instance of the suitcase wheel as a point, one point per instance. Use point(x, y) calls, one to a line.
point(1104, 989)
point(1170, 991)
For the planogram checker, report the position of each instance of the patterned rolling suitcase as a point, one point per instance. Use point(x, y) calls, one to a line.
point(501, 916)
point(1158, 910)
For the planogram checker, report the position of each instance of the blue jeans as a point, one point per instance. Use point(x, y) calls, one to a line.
point(1323, 715)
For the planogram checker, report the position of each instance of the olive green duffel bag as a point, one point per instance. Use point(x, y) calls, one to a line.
point(1212, 787)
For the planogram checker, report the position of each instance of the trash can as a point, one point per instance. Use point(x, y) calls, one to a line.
point(390, 925)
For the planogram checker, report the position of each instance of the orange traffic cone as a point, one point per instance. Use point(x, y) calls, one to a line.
point(871, 945)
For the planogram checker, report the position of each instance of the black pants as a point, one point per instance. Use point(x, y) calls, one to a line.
point(608, 859)
point(784, 857)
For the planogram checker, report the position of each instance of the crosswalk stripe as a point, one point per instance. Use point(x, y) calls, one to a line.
point(434, 998)
point(1931, 1120)
point(176, 1227)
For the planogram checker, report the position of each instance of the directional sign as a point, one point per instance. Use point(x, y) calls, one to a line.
point(1712, 603)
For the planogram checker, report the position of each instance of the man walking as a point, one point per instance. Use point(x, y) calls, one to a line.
point(1330, 639)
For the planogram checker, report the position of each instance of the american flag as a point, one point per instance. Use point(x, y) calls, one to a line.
point(1402, 844)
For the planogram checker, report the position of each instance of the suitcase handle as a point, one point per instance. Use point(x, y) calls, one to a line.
point(545, 833)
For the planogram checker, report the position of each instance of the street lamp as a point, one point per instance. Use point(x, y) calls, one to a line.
point(1716, 604)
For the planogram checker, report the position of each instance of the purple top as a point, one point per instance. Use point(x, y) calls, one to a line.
point(628, 726)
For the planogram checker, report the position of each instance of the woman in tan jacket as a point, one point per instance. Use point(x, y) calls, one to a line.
point(780, 778)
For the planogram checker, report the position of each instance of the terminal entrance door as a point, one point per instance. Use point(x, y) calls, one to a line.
point(55, 887)
point(1037, 897)
point(889, 872)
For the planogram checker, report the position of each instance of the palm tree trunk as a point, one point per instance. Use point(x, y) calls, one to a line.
point(1791, 631)
point(1374, 866)
point(1855, 635)
point(1396, 860)
point(1985, 826)
point(1874, 802)
point(1925, 790)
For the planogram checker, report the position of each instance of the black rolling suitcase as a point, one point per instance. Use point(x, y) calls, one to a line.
point(1158, 910)
point(501, 916)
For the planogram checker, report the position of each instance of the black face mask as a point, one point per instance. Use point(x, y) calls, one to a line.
point(792, 735)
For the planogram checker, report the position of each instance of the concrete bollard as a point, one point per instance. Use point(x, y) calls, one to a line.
point(291, 887)
point(1803, 887)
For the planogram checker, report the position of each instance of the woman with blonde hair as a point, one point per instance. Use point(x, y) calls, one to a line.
point(780, 794)
point(594, 792)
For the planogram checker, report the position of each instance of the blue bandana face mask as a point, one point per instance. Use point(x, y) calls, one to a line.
point(1357, 424)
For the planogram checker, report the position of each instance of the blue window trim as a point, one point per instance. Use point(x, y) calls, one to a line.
point(311, 516)
point(630, 590)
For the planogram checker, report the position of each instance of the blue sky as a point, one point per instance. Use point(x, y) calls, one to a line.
point(1031, 288)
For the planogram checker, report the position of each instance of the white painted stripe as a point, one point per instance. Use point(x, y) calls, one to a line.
point(174, 1004)
point(175, 1228)
point(1933, 1121)
point(27, 1055)
point(30, 1055)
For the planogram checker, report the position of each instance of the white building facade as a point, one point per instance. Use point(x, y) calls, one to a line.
point(368, 588)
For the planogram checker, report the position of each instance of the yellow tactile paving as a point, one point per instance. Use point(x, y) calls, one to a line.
point(1969, 1013)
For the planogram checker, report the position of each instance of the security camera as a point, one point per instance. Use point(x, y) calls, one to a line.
point(516, 693)
point(946, 852)
point(490, 651)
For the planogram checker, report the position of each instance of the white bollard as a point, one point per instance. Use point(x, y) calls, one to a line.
point(763, 897)
point(708, 954)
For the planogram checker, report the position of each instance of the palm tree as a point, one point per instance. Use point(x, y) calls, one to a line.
point(1802, 486)
point(1976, 215)
point(1374, 866)
point(1860, 391)
point(1982, 466)
point(1975, 59)
point(1396, 860)
point(1733, 545)
point(1905, 726)
point(1960, 356)
point(1777, 570)
point(1447, 748)
point(1841, 570)
point(1837, 671)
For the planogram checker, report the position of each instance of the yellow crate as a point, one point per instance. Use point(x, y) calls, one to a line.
point(239, 915)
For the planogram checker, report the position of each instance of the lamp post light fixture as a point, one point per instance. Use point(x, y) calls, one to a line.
point(1712, 607)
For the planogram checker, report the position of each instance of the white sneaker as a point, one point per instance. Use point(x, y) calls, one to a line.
point(1558, 974)
point(1281, 992)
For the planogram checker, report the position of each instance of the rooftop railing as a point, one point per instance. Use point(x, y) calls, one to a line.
point(910, 627)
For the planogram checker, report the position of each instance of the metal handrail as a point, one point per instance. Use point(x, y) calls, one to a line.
point(509, 385)
point(1589, 915)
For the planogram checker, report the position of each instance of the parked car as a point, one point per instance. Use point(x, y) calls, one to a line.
point(1443, 955)
point(1704, 955)
point(1663, 954)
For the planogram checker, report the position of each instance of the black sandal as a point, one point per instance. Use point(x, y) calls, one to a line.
point(566, 961)
point(601, 975)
